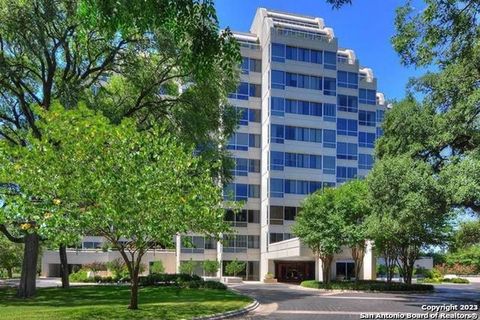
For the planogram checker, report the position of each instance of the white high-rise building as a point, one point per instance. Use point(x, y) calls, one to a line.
point(311, 115)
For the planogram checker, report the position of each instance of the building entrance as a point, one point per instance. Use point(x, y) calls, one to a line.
point(294, 271)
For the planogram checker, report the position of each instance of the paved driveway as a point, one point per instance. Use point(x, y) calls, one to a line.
point(282, 301)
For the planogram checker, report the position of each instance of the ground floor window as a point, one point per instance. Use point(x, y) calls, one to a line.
point(345, 270)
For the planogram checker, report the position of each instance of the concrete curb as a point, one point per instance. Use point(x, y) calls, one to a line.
point(229, 314)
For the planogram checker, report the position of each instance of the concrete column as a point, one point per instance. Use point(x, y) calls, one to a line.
point(318, 270)
point(369, 262)
point(178, 252)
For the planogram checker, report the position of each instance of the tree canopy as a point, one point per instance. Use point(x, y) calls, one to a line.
point(319, 225)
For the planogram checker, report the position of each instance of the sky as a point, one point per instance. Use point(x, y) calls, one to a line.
point(366, 27)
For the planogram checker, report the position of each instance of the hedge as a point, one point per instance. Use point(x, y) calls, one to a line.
point(448, 280)
point(367, 285)
point(181, 280)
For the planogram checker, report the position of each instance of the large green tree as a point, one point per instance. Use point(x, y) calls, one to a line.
point(405, 194)
point(137, 189)
point(467, 234)
point(153, 60)
point(351, 202)
point(442, 129)
point(319, 226)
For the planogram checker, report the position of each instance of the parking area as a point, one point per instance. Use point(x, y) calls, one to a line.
point(283, 301)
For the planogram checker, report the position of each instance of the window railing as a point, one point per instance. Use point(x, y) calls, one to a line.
point(300, 34)
point(249, 45)
point(345, 60)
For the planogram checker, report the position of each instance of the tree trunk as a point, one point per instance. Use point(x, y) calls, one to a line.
point(28, 278)
point(358, 251)
point(64, 266)
point(9, 273)
point(134, 287)
point(326, 266)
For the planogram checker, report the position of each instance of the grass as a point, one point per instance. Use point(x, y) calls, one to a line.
point(110, 302)
point(367, 285)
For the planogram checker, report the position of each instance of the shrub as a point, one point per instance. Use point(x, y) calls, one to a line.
point(211, 267)
point(80, 276)
point(234, 267)
point(180, 280)
point(118, 268)
point(187, 267)
point(430, 280)
point(434, 274)
point(157, 267)
point(95, 266)
point(456, 280)
point(367, 285)
point(214, 285)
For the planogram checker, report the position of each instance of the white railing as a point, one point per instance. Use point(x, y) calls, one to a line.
point(301, 34)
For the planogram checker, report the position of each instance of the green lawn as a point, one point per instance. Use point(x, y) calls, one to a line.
point(110, 302)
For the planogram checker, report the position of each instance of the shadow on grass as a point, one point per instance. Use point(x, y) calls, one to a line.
point(110, 302)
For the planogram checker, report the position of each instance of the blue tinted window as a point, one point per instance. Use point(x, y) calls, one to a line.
point(316, 109)
point(316, 56)
point(277, 133)
point(367, 96)
point(347, 103)
point(329, 112)
point(276, 160)
point(347, 79)
point(241, 167)
point(241, 93)
point(380, 116)
point(366, 118)
point(346, 173)
point(290, 159)
point(241, 192)
point(245, 65)
point(278, 106)
point(291, 79)
point(254, 115)
point(254, 191)
point(365, 161)
point(314, 186)
point(347, 151)
point(292, 53)
point(255, 90)
point(330, 60)
point(238, 141)
point(278, 52)
point(278, 79)
point(254, 140)
point(329, 138)
point(329, 164)
point(366, 139)
point(243, 116)
point(315, 162)
point(290, 186)
point(302, 187)
point(315, 83)
point(347, 127)
point(276, 188)
point(253, 165)
point(329, 86)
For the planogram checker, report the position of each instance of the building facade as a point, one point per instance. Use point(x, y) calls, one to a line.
point(310, 118)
